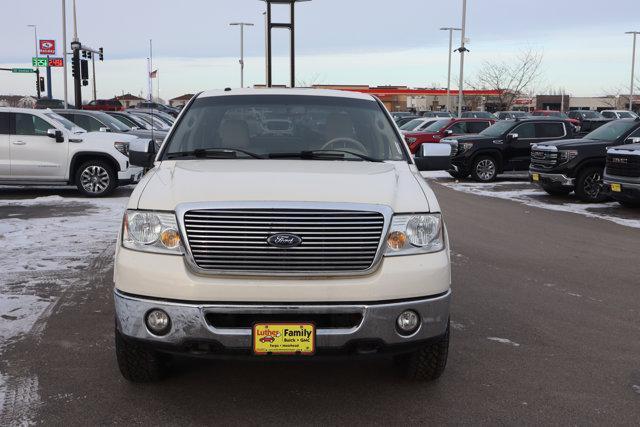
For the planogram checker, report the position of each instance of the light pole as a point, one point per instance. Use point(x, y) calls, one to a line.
point(451, 30)
point(242, 25)
point(64, 51)
point(462, 50)
point(35, 37)
point(633, 67)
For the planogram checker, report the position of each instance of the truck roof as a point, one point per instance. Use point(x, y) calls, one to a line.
point(288, 91)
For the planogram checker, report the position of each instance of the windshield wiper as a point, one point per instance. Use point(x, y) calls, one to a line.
point(322, 154)
point(213, 153)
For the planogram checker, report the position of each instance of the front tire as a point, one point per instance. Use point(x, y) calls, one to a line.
point(484, 169)
point(95, 178)
point(589, 185)
point(137, 363)
point(556, 191)
point(427, 363)
point(459, 174)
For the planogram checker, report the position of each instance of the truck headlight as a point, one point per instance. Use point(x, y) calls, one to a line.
point(411, 140)
point(567, 155)
point(415, 234)
point(150, 231)
point(465, 146)
point(122, 147)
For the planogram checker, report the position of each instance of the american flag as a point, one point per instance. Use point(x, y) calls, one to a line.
point(153, 74)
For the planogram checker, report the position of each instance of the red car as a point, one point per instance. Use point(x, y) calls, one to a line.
point(267, 338)
point(555, 113)
point(104, 105)
point(443, 128)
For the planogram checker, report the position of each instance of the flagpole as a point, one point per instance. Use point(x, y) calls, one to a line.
point(150, 70)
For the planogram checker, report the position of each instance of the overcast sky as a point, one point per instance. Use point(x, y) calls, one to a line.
point(338, 41)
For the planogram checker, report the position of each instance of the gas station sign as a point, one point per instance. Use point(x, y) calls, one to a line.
point(39, 62)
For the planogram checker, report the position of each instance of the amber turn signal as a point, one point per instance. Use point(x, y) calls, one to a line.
point(170, 238)
point(396, 240)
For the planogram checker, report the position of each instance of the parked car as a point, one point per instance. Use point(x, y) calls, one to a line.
point(401, 121)
point(505, 146)
point(618, 114)
point(511, 115)
point(478, 115)
point(151, 119)
point(104, 105)
point(556, 115)
point(417, 125)
point(40, 147)
point(157, 106)
point(443, 128)
point(98, 121)
point(130, 120)
point(560, 167)
point(398, 114)
point(43, 103)
point(225, 216)
point(589, 120)
point(438, 114)
point(622, 173)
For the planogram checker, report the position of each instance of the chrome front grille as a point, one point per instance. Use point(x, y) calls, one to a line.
point(544, 159)
point(235, 240)
point(623, 165)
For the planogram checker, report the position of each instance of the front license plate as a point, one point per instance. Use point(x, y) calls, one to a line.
point(284, 338)
point(535, 177)
point(616, 188)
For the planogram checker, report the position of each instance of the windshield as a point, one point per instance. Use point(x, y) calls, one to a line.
point(626, 115)
point(497, 129)
point(114, 123)
point(549, 113)
point(68, 124)
point(276, 124)
point(412, 124)
point(437, 126)
point(591, 115)
point(612, 130)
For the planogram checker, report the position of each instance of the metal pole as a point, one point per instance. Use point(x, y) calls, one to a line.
point(293, 45)
point(64, 51)
point(35, 44)
point(633, 68)
point(49, 94)
point(93, 65)
point(76, 59)
point(269, 71)
point(451, 30)
point(241, 55)
point(75, 23)
point(462, 50)
point(266, 56)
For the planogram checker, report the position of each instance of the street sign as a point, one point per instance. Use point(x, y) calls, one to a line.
point(56, 62)
point(47, 47)
point(23, 70)
point(39, 62)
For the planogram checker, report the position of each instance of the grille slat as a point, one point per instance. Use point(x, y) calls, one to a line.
point(236, 240)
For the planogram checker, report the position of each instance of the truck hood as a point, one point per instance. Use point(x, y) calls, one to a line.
point(394, 184)
point(147, 134)
point(577, 143)
point(103, 137)
point(472, 138)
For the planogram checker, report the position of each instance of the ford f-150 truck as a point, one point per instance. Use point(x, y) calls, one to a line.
point(319, 239)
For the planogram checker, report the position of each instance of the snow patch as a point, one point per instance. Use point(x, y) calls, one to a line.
point(634, 387)
point(504, 341)
point(18, 314)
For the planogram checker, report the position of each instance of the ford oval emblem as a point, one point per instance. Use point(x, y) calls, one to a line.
point(284, 240)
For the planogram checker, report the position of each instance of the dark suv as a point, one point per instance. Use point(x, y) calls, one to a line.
point(561, 167)
point(622, 173)
point(589, 120)
point(505, 146)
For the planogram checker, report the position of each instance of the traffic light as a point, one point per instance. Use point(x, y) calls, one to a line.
point(41, 84)
point(85, 82)
point(101, 54)
point(84, 69)
point(89, 55)
point(75, 66)
point(84, 53)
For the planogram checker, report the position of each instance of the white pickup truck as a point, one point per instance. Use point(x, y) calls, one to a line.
point(283, 223)
point(40, 147)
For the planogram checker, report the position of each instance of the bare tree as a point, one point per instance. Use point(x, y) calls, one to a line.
point(513, 79)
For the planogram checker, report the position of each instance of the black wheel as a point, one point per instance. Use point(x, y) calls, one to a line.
point(96, 178)
point(460, 174)
point(556, 191)
point(589, 185)
point(628, 204)
point(137, 363)
point(427, 363)
point(484, 169)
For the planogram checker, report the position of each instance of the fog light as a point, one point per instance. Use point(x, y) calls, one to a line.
point(158, 322)
point(408, 322)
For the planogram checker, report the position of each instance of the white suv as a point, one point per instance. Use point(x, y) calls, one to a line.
point(283, 222)
point(40, 147)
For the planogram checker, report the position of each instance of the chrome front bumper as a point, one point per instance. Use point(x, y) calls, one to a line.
point(189, 322)
point(555, 178)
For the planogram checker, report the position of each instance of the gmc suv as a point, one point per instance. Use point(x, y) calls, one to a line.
point(316, 237)
point(561, 167)
point(622, 173)
point(505, 146)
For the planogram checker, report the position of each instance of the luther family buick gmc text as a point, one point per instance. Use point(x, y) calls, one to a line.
point(297, 214)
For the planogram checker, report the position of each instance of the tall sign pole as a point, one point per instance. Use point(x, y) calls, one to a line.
point(75, 47)
point(451, 30)
point(633, 68)
point(462, 50)
point(241, 25)
point(64, 51)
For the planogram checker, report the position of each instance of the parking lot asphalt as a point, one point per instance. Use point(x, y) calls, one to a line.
point(545, 323)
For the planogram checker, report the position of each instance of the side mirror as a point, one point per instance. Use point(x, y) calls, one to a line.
point(448, 132)
point(104, 129)
point(512, 137)
point(433, 157)
point(634, 140)
point(55, 134)
point(142, 152)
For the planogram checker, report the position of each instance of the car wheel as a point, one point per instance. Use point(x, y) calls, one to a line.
point(556, 191)
point(484, 169)
point(95, 178)
point(426, 363)
point(589, 185)
point(137, 363)
point(459, 174)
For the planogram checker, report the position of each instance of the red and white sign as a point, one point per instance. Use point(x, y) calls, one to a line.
point(47, 47)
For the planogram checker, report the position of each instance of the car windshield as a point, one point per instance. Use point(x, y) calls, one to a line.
point(591, 115)
point(612, 130)
point(437, 126)
point(549, 113)
point(412, 124)
point(114, 123)
point(497, 129)
point(626, 115)
point(68, 124)
point(287, 124)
